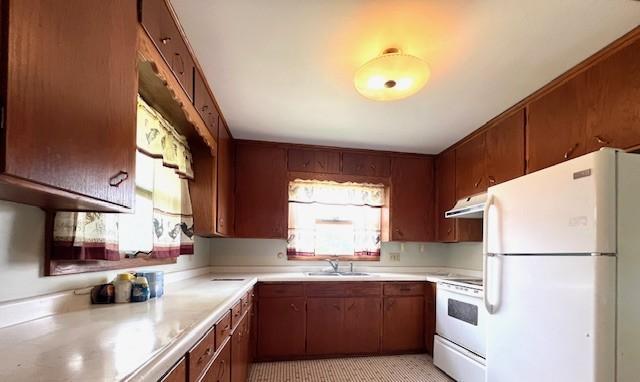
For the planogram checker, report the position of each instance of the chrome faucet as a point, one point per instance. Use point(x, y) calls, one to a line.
point(334, 265)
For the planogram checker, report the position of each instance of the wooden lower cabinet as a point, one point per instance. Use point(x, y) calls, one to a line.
point(178, 373)
point(430, 316)
point(403, 324)
point(281, 327)
point(362, 324)
point(240, 350)
point(325, 325)
point(220, 369)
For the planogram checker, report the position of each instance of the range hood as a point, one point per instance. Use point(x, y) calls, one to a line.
point(468, 208)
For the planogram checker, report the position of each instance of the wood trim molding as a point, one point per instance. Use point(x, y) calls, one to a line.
point(595, 58)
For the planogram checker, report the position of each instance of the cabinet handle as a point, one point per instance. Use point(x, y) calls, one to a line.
point(373, 166)
point(336, 306)
point(351, 306)
point(204, 107)
point(601, 140)
point(120, 177)
point(492, 180)
point(449, 230)
point(399, 232)
point(307, 163)
point(320, 164)
point(570, 151)
point(391, 304)
point(221, 372)
point(295, 308)
point(359, 167)
point(181, 70)
point(204, 355)
point(477, 183)
point(165, 40)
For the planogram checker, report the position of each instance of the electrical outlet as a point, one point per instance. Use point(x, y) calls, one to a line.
point(394, 256)
point(422, 248)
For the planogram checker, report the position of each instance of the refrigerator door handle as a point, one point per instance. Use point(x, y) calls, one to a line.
point(485, 254)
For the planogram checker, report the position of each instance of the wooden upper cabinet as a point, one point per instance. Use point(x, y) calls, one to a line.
point(204, 104)
point(366, 165)
point(225, 195)
point(202, 189)
point(412, 199)
point(470, 167)
point(157, 20)
point(311, 160)
point(504, 143)
point(261, 191)
point(445, 179)
point(70, 107)
point(612, 102)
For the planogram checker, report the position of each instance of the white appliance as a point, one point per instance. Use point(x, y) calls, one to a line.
point(460, 342)
point(468, 208)
point(562, 272)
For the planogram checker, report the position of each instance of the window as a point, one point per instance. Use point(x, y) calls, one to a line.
point(334, 219)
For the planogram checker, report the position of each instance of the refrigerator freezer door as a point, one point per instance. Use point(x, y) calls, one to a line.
point(555, 319)
point(567, 208)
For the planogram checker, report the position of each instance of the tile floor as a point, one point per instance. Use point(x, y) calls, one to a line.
point(405, 368)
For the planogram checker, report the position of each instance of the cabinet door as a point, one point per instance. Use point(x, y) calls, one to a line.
point(445, 172)
point(365, 165)
point(403, 324)
point(202, 189)
point(204, 104)
point(430, 316)
point(318, 161)
point(239, 351)
point(71, 107)
point(412, 199)
point(261, 191)
point(178, 373)
point(612, 103)
point(220, 369)
point(224, 195)
point(556, 126)
point(505, 149)
point(470, 167)
point(362, 325)
point(281, 327)
point(325, 326)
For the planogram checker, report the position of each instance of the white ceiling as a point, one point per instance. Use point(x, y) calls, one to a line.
point(282, 70)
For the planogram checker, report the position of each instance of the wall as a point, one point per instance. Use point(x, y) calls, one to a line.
point(264, 252)
point(22, 257)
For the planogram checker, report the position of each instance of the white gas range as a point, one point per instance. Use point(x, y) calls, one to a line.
point(460, 341)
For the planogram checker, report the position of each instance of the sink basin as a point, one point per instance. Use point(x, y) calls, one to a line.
point(323, 274)
point(355, 274)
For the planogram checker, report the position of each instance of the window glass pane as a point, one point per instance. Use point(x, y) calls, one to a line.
point(334, 238)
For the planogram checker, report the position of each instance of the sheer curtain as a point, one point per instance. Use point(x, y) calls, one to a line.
point(337, 219)
point(162, 222)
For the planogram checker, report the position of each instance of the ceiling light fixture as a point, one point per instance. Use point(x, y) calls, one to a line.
point(391, 76)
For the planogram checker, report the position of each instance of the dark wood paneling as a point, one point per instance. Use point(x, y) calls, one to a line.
point(225, 199)
point(71, 108)
point(281, 327)
point(470, 167)
point(204, 104)
point(325, 326)
point(178, 373)
point(412, 199)
point(366, 164)
point(261, 191)
point(342, 289)
point(157, 20)
point(505, 154)
point(316, 161)
point(403, 324)
point(362, 325)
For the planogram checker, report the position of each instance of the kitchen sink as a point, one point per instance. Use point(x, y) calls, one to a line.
point(338, 274)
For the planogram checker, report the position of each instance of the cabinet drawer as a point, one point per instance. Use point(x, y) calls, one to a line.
point(223, 329)
point(247, 301)
point(236, 313)
point(204, 104)
point(366, 165)
point(281, 290)
point(178, 373)
point(404, 289)
point(200, 355)
point(157, 20)
point(343, 289)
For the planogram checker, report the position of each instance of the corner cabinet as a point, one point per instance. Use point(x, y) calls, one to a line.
point(261, 191)
point(69, 104)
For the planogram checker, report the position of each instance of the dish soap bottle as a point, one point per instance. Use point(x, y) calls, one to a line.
point(123, 286)
point(140, 289)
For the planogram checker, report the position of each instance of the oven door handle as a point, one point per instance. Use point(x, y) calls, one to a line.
point(485, 255)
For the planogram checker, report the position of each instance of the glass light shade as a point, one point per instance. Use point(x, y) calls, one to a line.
point(391, 76)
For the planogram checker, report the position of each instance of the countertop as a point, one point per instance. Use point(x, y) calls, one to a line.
point(138, 341)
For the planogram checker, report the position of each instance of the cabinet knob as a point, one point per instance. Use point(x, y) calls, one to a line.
point(569, 152)
point(492, 180)
point(601, 140)
point(221, 372)
point(165, 40)
point(448, 230)
point(117, 179)
point(399, 232)
point(477, 183)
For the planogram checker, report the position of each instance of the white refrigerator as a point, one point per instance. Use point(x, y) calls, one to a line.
point(562, 272)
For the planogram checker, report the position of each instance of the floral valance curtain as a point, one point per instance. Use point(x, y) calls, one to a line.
point(162, 224)
point(336, 219)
